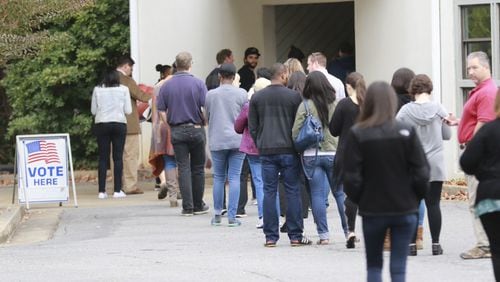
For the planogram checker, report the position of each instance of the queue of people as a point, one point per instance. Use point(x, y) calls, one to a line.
point(381, 153)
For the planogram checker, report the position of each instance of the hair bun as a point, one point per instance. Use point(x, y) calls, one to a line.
point(159, 67)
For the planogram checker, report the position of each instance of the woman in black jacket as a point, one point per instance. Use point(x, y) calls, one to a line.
point(481, 158)
point(386, 175)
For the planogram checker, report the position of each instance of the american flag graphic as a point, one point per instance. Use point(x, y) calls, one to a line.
point(42, 151)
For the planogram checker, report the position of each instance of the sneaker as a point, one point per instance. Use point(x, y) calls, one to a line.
point(216, 220)
point(187, 212)
point(254, 202)
point(260, 223)
point(120, 194)
point(351, 241)
point(233, 223)
point(102, 195)
point(223, 212)
point(476, 253)
point(436, 249)
point(240, 215)
point(203, 210)
point(163, 192)
point(302, 242)
point(284, 228)
point(412, 249)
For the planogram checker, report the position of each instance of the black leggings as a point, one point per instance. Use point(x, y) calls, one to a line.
point(432, 200)
point(491, 226)
point(351, 210)
point(110, 133)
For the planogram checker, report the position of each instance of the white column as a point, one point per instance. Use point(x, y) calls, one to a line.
point(134, 36)
point(436, 49)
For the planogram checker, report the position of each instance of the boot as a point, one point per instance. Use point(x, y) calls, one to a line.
point(436, 249)
point(420, 237)
point(173, 187)
point(387, 240)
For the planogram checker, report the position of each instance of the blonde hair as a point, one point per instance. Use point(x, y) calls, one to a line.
point(293, 65)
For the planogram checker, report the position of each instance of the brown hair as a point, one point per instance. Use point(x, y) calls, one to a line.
point(497, 103)
point(421, 83)
point(401, 80)
point(357, 82)
point(379, 106)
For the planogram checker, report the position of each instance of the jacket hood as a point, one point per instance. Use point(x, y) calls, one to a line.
point(424, 113)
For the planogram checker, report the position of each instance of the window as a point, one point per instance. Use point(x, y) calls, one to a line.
point(479, 31)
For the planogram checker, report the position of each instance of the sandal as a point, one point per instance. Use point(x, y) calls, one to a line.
point(270, 244)
point(302, 242)
point(323, 242)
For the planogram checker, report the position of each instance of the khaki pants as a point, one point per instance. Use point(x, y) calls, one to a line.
point(482, 239)
point(130, 162)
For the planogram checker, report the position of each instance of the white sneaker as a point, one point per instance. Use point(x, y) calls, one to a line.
point(260, 224)
point(102, 195)
point(120, 194)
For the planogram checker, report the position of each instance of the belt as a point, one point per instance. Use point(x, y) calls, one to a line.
point(187, 125)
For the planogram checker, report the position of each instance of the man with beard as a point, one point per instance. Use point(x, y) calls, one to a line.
point(246, 72)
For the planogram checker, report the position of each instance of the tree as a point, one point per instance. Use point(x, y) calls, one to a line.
point(50, 91)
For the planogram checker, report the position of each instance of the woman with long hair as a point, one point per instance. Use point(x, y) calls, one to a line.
point(481, 158)
point(386, 175)
point(320, 98)
point(110, 103)
point(428, 117)
point(345, 115)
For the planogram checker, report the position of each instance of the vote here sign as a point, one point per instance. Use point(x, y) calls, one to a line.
point(43, 168)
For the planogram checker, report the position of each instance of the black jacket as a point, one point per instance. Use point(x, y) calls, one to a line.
point(385, 169)
point(212, 80)
point(247, 77)
point(482, 159)
point(271, 117)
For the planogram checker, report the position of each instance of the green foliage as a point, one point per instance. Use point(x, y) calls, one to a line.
point(51, 92)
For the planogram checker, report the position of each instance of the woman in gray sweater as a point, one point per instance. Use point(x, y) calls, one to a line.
point(427, 116)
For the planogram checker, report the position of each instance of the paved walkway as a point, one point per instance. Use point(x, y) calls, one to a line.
point(141, 238)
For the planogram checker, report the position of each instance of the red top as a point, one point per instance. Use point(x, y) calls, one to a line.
point(478, 108)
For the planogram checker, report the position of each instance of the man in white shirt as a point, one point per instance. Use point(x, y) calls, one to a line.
point(317, 62)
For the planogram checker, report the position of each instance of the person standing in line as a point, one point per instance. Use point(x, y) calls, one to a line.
point(181, 103)
point(345, 116)
point(161, 155)
point(224, 56)
point(223, 105)
point(246, 72)
point(131, 151)
point(110, 103)
point(344, 63)
point(428, 118)
point(481, 158)
point(318, 163)
point(270, 122)
point(387, 192)
point(477, 111)
point(317, 62)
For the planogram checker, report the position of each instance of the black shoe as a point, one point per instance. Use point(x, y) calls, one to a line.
point(284, 228)
point(187, 212)
point(351, 241)
point(203, 210)
point(436, 249)
point(412, 250)
point(163, 193)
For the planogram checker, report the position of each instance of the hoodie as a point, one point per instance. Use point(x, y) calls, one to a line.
point(427, 119)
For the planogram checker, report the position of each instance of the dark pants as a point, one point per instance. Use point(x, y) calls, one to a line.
point(491, 225)
point(351, 210)
point(432, 202)
point(110, 134)
point(402, 229)
point(189, 148)
point(286, 165)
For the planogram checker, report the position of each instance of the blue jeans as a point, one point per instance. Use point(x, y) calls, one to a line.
point(330, 184)
point(288, 166)
point(321, 180)
point(169, 162)
point(189, 148)
point(421, 212)
point(227, 164)
point(402, 229)
point(256, 169)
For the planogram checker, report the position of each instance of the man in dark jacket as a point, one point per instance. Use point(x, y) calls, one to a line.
point(270, 122)
point(246, 72)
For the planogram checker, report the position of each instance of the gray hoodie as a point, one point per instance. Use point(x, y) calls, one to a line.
point(427, 119)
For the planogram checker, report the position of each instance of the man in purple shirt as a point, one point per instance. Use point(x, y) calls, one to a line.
point(180, 102)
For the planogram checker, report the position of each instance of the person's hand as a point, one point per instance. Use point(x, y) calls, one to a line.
point(451, 120)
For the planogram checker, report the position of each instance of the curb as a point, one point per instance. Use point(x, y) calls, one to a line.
point(9, 220)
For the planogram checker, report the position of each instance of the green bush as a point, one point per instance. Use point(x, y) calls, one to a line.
point(51, 91)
